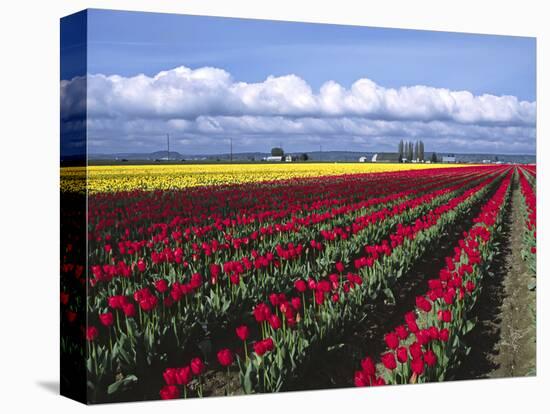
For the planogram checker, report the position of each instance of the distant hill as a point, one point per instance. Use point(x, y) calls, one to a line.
point(332, 156)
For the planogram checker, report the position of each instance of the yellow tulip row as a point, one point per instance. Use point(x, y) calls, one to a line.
point(165, 177)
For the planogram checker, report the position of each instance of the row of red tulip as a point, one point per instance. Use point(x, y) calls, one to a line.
point(241, 204)
point(423, 348)
point(529, 252)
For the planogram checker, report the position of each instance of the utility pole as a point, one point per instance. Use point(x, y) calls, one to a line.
point(168, 146)
point(320, 152)
point(231, 149)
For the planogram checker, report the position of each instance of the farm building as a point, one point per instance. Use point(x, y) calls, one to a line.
point(449, 159)
point(363, 159)
point(272, 158)
point(386, 157)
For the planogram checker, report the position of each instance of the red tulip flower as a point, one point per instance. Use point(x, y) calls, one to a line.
point(415, 349)
point(184, 375)
point(361, 379)
point(388, 359)
point(197, 366)
point(402, 354)
point(242, 332)
point(401, 332)
point(430, 358)
point(170, 376)
point(106, 319)
point(368, 366)
point(392, 341)
point(129, 310)
point(71, 316)
point(169, 392)
point(300, 285)
point(225, 357)
point(417, 366)
point(141, 265)
point(91, 333)
point(161, 285)
point(64, 298)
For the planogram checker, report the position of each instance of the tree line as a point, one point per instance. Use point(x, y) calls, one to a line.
point(409, 151)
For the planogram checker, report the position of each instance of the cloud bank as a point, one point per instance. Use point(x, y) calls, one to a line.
point(202, 107)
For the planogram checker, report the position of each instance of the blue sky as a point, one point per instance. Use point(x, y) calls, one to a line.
point(129, 43)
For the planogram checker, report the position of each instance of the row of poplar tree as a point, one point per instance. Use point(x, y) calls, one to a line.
point(411, 151)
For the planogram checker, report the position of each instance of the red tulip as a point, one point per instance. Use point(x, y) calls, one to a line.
point(275, 322)
point(392, 341)
point(197, 366)
point(423, 304)
point(106, 319)
point(402, 354)
point(368, 366)
point(415, 349)
point(161, 285)
point(91, 333)
point(259, 348)
point(430, 358)
point(361, 379)
point(141, 265)
point(71, 316)
point(401, 332)
point(184, 375)
point(225, 357)
point(235, 279)
point(64, 298)
point(300, 285)
point(169, 392)
point(215, 270)
point(417, 365)
point(269, 345)
point(388, 359)
point(444, 315)
point(261, 312)
point(242, 332)
point(170, 376)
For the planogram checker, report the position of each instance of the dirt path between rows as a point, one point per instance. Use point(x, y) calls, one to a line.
point(503, 341)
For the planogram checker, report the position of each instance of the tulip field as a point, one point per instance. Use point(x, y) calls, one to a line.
point(217, 280)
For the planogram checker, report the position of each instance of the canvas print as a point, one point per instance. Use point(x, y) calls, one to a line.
point(255, 206)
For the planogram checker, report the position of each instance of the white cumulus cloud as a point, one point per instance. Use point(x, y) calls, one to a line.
point(208, 102)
